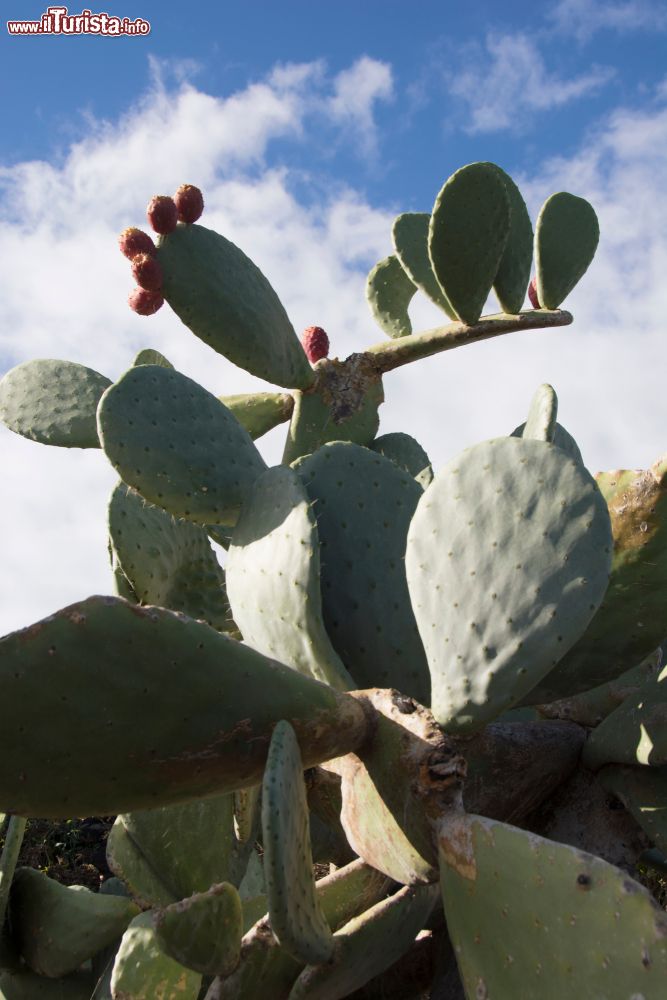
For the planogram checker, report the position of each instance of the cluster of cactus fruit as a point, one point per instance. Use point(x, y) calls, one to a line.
point(444, 687)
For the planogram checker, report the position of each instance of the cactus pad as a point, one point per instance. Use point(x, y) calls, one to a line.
point(467, 236)
point(150, 357)
point(389, 291)
point(273, 578)
point(527, 523)
point(407, 454)
point(364, 504)
point(260, 412)
point(534, 919)
point(635, 733)
point(53, 402)
point(296, 916)
point(177, 444)
point(167, 561)
point(114, 668)
point(410, 236)
point(204, 931)
point(566, 238)
point(143, 971)
point(643, 792)
point(513, 274)
point(228, 303)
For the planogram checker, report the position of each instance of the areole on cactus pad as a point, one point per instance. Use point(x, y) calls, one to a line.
point(391, 665)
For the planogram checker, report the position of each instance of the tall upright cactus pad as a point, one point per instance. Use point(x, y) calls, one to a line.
point(177, 445)
point(53, 402)
point(513, 275)
point(364, 504)
point(541, 423)
point(468, 233)
point(389, 290)
point(527, 523)
point(167, 561)
point(57, 927)
point(630, 623)
point(410, 236)
point(297, 919)
point(228, 303)
point(534, 919)
point(273, 578)
point(566, 238)
point(121, 670)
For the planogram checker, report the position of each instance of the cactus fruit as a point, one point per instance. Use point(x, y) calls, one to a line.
point(133, 241)
point(315, 343)
point(532, 294)
point(144, 302)
point(391, 665)
point(162, 214)
point(147, 272)
point(189, 203)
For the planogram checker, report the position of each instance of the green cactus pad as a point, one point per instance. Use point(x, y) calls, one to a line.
point(176, 444)
point(527, 524)
point(185, 712)
point(410, 236)
point(407, 454)
point(467, 236)
point(566, 238)
point(511, 281)
point(389, 291)
point(635, 733)
point(343, 408)
point(177, 842)
point(297, 919)
point(643, 791)
point(630, 623)
point(368, 945)
point(534, 919)
point(26, 985)
point(260, 412)
point(561, 438)
point(541, 423)
point(204, 931)
point(166, 561)
point(228, 303)
point(143, 971)
point(150, 357)
point(58, 927)
point(130, 864)
point(273, 578)
point(53, 402)
point(364, 505)
point(246, 814)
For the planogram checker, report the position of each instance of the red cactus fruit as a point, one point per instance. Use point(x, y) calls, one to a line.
point(144, 302)
point(315, 343)
point(147, 272)
point(532, 294)
point(134, 241)
point(189, 203)
point(162, 214)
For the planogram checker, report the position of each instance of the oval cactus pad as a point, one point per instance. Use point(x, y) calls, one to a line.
point(526, 524)
point(389, 291)
point(53, 402)
point(228, 303)
point(410, 236)
point(513, 275)
point(468, 232)
point(566, 238)
point(177, 444)
point(364, 503)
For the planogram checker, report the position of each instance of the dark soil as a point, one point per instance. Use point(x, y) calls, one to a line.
point(72, 851)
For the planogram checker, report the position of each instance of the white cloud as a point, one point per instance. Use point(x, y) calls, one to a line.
point(584, 18)
point(63, 287)
point(356, 91)
point(505, 84)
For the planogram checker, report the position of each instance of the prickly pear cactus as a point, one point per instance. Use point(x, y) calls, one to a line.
point(441, 685)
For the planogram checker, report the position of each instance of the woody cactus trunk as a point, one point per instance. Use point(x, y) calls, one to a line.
point(443, 685)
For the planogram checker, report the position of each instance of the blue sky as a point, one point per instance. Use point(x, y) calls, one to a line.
point(309, 126)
